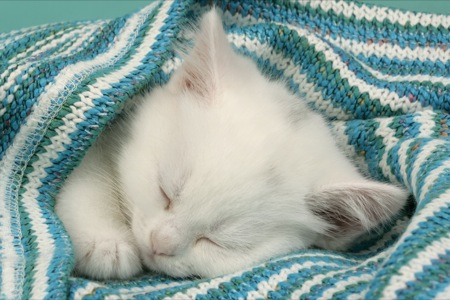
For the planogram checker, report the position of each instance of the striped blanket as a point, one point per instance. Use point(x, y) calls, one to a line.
point(381, 76)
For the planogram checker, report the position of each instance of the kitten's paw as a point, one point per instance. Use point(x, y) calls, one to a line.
point(108, 259)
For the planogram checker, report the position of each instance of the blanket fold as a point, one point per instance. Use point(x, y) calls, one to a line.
point(381, 76)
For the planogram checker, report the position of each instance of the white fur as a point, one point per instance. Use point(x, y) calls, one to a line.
point(218, 170)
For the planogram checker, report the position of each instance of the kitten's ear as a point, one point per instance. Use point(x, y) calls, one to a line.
point(203, 66)
point(353, 208)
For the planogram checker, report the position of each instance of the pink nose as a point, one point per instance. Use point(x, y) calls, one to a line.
point(163, 242)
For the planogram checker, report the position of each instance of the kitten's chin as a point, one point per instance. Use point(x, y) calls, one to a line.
point(166, 265)
point(181, 268)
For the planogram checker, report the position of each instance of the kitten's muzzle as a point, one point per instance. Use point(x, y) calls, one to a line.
point(164, 242)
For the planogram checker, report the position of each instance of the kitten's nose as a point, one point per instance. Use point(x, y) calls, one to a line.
point(163, 242)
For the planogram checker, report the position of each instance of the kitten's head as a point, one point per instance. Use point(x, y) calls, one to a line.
point(215, 173)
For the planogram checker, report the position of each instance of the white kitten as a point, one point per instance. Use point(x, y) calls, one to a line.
point(218, 170)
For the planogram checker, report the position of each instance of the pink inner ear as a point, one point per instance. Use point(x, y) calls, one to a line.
point(194, 82)
point(201, 72)
point(198, 81)
point(188, 81)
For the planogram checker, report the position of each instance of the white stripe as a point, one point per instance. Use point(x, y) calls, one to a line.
point(290, 71)
point(392, 51)
point(407, 273)
point(86, 38)
point(427, 124)
point(343, 284)
point(318, 279)
point(127, 293)
point(397, 78)
point(52, 41)
point(7, 166)
point(424, 154)
point(87, 290)
point(203, 287)
point(271, 284)
point(67, 39)
point(349, 9)
point(12, 264)
point(389, 141)
point(402, 155)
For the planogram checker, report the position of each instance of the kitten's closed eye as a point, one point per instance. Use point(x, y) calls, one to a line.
point(168, 202)
point(204, 239)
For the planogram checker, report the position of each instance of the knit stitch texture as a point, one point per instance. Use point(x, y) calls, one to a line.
point(381, 76)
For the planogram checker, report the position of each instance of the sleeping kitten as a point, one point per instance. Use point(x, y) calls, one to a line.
point(218, 170)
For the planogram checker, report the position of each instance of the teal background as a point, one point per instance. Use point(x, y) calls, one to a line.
point(18, 14)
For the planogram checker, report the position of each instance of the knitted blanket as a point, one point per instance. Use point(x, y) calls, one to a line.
point(381, 76)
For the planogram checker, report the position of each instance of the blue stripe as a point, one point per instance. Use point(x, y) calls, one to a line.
point(404, 67)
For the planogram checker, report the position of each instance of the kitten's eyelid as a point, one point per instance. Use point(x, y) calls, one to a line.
point(206, 239)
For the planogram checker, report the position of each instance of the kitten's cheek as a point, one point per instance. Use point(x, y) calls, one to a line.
point(151, 262)
point(148, 260)
point(171, 265)
point(139, 232)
